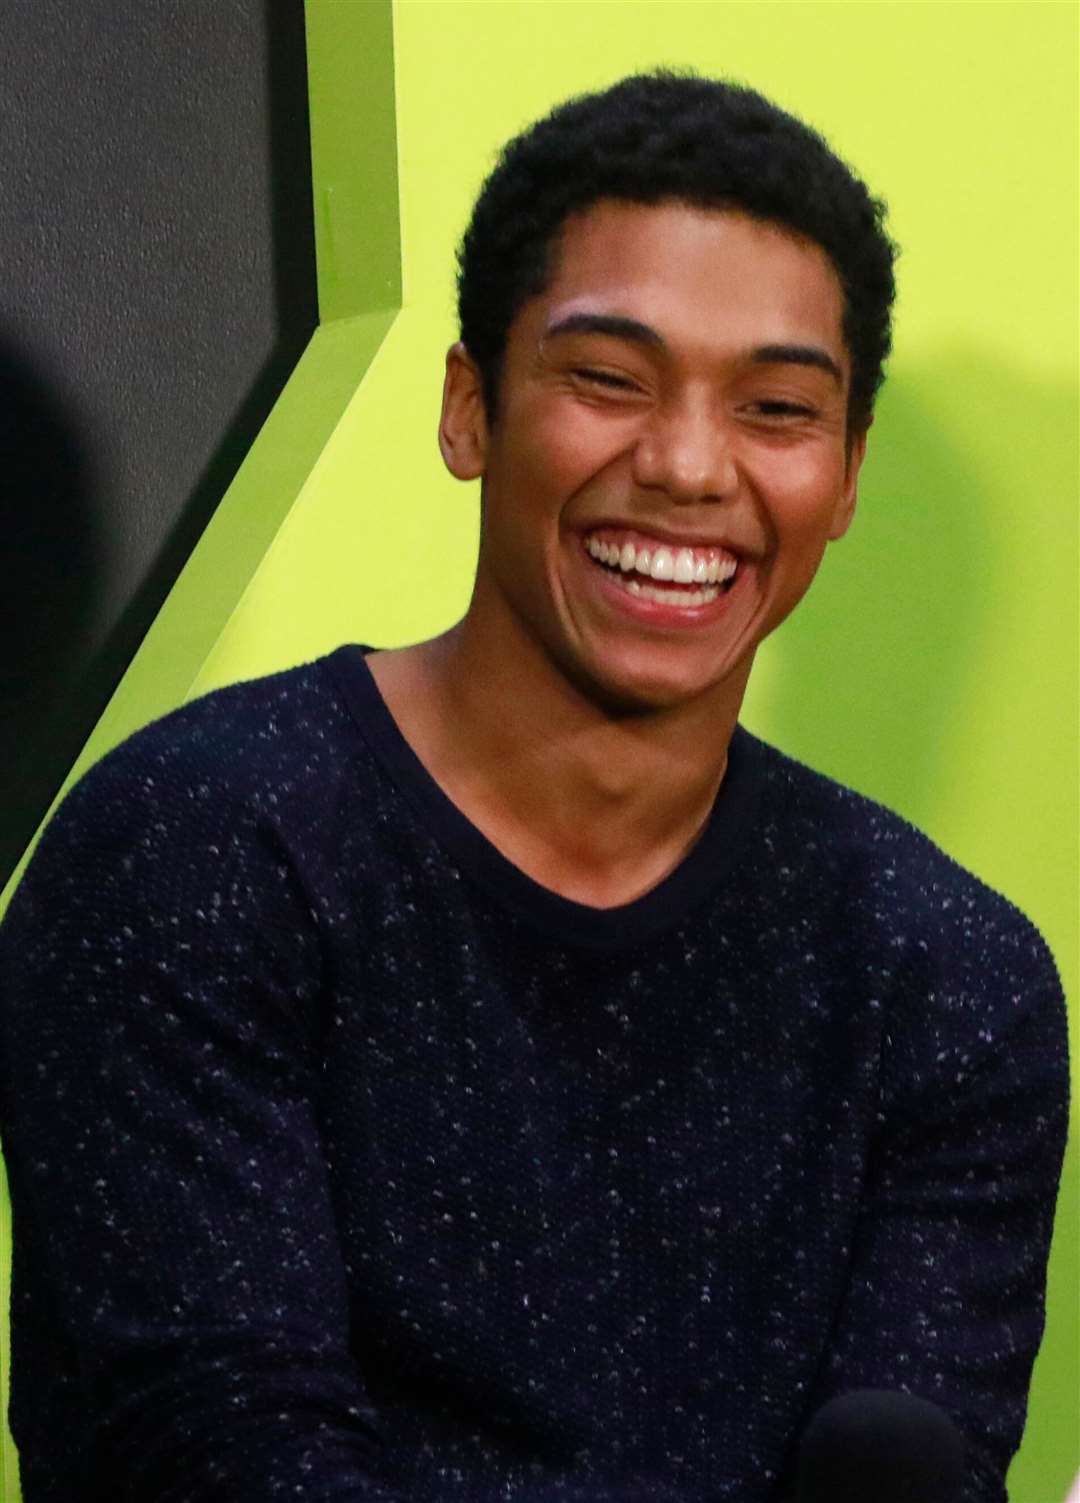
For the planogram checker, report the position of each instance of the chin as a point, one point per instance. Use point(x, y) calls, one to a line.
point(638, 689)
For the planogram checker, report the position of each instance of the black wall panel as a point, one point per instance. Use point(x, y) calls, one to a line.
point(158, 285)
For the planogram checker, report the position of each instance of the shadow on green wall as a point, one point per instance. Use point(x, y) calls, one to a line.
point(889, 630)
point(913, 599)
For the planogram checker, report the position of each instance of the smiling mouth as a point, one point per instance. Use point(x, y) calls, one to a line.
point(651, 570)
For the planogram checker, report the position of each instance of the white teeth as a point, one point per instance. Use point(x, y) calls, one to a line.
point(685, 598)
point(682, 567)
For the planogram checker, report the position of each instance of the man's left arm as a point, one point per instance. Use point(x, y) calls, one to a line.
point(946, 1288)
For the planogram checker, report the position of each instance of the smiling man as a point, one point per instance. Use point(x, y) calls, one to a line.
point(484, 1070)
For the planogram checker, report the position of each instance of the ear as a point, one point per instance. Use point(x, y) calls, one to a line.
point(463, 430)
point(845, 506)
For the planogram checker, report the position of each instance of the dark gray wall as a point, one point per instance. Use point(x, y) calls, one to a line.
point(158, 285)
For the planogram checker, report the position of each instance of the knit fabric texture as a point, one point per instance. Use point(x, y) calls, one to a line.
point(347, 1162)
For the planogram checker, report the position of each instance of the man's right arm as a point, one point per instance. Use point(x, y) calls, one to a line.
point(159, 970)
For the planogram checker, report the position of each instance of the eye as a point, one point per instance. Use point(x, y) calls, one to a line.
point(604, 378)
point(782, 409)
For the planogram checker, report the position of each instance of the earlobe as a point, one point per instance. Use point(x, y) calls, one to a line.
point(463, 431)
point(845, 507)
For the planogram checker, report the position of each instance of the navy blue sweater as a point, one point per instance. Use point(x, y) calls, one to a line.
point(347, 1162)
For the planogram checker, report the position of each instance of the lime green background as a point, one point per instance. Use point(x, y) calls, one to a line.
point(935, 664)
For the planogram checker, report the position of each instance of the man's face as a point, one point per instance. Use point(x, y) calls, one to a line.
point(670, 455)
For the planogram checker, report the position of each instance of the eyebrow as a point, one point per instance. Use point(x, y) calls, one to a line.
point(639, 333)
point(797, 354)
point(605, 323)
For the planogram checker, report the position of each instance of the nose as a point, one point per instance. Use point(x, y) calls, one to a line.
point(686, 451)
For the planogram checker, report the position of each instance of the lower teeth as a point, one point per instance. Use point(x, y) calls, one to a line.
point(673, 595)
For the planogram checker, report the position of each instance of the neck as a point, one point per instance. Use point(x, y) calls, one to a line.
point(595, 804)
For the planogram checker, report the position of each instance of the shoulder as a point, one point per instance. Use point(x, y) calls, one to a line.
point(870, 851)
point(888, 881)
point(966, 984)
point(242, 739)
point(190, 856)
point(234, 779)
point(246, 747)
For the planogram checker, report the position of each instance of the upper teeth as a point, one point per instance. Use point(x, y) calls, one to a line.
point(680, 565)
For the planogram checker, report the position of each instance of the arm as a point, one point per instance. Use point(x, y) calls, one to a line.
point(946, 1287)
point(158, 1068)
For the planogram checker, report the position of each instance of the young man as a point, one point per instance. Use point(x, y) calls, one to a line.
point(483, 1069)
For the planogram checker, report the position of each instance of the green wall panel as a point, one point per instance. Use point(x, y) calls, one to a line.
point(354, 155)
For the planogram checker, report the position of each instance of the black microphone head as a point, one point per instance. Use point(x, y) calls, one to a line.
point(879, 1446)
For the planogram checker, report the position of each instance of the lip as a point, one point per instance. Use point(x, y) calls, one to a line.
point(654, 613)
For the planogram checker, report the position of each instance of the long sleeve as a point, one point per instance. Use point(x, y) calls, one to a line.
point(160, 974)
point(946, 1287)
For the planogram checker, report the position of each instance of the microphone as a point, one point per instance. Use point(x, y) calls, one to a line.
point(880, 1446)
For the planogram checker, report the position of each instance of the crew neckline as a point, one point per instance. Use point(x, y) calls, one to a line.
point(699, 873)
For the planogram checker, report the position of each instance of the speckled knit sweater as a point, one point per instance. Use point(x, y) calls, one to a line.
point(347, 1162)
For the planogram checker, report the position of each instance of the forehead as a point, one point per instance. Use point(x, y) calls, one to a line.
point(718, 277)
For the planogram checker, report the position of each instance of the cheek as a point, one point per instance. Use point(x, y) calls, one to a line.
point(804, 488)
point(563, 444)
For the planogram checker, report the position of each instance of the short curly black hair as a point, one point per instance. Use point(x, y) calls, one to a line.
point(673, 136)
